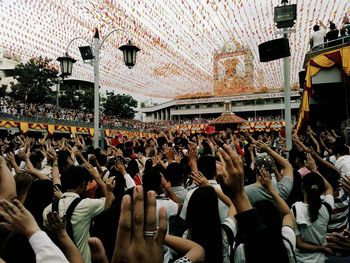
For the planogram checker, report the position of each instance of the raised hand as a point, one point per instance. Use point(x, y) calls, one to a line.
point(199, 179)
point(138, 238)
point(17, 218)
point(265, 178)
point(55, 224)
point(339, 242)
point(261, 146)
point(310, 163)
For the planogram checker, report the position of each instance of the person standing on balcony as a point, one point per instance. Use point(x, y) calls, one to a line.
point(317, 37)
point(332, 34)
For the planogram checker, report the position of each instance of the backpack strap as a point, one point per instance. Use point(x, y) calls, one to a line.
point(291, 248)
point(69, 214)
point(230, 239)
point(54, 207)
point(294, 211)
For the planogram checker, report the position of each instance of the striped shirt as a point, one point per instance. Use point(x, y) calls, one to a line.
point(339, 218)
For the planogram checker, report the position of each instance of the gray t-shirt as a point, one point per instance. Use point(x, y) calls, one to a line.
point(257, 193)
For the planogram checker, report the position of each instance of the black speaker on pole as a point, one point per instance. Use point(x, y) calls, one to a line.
point(302, 76)
point(274, 49)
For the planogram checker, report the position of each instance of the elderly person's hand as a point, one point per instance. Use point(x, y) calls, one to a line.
point(138, 238)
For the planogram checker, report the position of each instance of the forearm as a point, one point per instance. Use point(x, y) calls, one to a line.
point(109, 199)
point(241, 203)
point(16, 167)
point(55, 174)
point(69, 249)
point(185, 247)
point(193, 164)
point(316, 143)
point(286, 166)
point(7, 183)
point(306, 246)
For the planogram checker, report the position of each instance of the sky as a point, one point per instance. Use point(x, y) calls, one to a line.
point(177, 38)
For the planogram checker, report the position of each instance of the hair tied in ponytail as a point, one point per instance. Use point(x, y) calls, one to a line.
point(314, 187)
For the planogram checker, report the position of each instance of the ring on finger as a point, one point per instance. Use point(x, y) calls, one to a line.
point(149, 233)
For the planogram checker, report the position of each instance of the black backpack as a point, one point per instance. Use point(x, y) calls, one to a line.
point(69, 213)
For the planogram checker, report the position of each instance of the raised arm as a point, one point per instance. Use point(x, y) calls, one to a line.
point(286, 166)
point(265, 180)
point(7, 182)
point(58, 226)
point(186, 247)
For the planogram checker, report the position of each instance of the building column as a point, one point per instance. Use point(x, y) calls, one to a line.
point(162, 115)
point(166, 114)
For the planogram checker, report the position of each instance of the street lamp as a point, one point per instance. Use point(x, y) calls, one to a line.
point(129, 53)
point(66, 65)
point(284, 17)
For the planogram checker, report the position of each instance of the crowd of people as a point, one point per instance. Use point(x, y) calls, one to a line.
point(320, 38)
point(176, 197)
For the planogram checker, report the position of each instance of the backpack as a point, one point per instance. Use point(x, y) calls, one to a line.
point(69, 213)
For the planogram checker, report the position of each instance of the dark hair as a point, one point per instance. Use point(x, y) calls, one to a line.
point(340, 148)
point(271, 218)
point(316, 28)
point(74, 177)
point(313, 186)
point(152, 180)
point(204, 224)
point(207, 166)
point(102, 159)
point(174, 174)
point(133, 168)
point(296, 157)
point(332, 26)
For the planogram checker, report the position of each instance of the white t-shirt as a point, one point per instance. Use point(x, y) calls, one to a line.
point(343, 165)
point(318, 37)
point(85, 211)
point(313, 232)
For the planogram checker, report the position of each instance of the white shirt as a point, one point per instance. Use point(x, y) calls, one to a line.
point(343, 165)
point(223, 209)
point(318, 37)
point(81, 219)
point(45, 250)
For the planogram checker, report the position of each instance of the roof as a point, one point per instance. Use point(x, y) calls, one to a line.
point(227, 118)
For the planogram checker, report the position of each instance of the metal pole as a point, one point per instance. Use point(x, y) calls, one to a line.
point(288, 117)
point(57, 95)
point(96, 88)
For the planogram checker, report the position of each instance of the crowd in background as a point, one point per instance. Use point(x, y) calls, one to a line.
point(176, 197)
point(320, 38)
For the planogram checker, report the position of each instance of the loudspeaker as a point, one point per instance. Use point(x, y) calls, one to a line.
point(274, 49)
point(86, 53)
point(302, 76)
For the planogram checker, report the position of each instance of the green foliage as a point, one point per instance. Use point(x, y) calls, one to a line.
point(120, 106)
point(77, 96)
point(34, 80)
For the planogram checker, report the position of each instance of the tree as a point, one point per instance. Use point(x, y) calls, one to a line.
point(120, 106)
point(34, 80)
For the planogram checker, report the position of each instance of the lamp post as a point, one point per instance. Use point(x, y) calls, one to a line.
point(129, 53)
point(284, 17)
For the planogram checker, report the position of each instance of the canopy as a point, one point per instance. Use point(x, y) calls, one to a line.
point(180, 40)
point(228, 118)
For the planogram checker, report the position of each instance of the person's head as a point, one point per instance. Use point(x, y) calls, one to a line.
point(340, 149)
point(152, 180)
point(313, 186)
point(75, 179)
point(102, 159)
point(332, 26)
point(271, 218)
point(297, 158)
point(204, 224)
point(174, 174)
point(207, 166)
point(133, 168)
point(316, 28)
